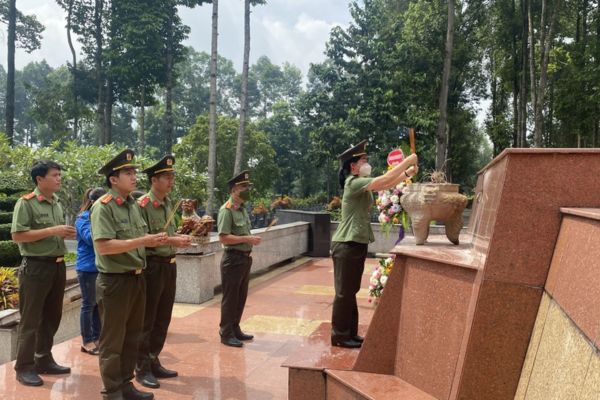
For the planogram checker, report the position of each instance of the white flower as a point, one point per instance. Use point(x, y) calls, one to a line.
point(374, 282)
point(389, 260)
point(382, 218)
point(385, 200)
point(384, 280)
point(394, 199)
point(400, 186)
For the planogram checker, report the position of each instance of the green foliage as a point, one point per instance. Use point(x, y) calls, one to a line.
point(9, 253)
point(70, 258)
point(9, 288)
point(336, 215)
point(8, 187)
point(79, 170)
point(8, 203)
point(193, 151)
point(5, 217)
point(28, 30)
point(5, 232)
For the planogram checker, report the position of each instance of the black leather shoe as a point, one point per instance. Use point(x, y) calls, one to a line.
point(147, 379)
point(29, 378)
point(347, 343)
point(243, 336)
point(231, 341)
point(52, 368)
point(131, 393)
point(161, 372)
point(358, 338)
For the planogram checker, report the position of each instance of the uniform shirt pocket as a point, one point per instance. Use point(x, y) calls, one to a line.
point(42, 221)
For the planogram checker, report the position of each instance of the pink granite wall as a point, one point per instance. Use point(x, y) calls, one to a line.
point(456, 321)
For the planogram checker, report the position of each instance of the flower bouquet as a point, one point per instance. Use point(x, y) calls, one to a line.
point(379, 277)
point(390, 211)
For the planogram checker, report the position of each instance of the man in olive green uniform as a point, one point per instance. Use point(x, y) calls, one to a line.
point(120, 239)
point(38, 226)
point(234, 233)
point(161, 272)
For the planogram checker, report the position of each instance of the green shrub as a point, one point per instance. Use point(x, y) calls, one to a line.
point(5, 232)
point(8, 203)
point(70, 258)
point(9, 288)
point(8, 185)
point(9, 253)
point(5, 217)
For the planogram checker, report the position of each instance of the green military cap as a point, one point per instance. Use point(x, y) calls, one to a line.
point(241, 178)
point(354, 151)
point(122, 160)
point(164, 165)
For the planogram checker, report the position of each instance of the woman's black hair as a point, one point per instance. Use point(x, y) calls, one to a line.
point(90, 196)
point(345, 170)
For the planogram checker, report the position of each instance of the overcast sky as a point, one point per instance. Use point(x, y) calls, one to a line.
point(284, 30)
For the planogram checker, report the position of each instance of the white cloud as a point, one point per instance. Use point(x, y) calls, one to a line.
point(284, 30)
point(300, 43)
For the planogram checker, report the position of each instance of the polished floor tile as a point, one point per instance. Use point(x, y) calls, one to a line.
point(284, 306)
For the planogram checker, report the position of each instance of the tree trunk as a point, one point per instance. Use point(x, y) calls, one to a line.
point(74, 72)
point(549, 131)
point(100, 76)
point(441, 139)
point(10, 74)
point(142, 122)
point(168, 121)
point(108, 112)
point(546, 38)
point(532, 78)
point(522, 134)
point(239, 150)
point(212, 124)
point(515, 99)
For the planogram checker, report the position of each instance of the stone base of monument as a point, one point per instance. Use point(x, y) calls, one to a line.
point(197, 277)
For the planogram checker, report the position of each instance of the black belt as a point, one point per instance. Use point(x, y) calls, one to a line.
point(134, 272)
point(54, 260)
point(162, 259)
point(246, 253)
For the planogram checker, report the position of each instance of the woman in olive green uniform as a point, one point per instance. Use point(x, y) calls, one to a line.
point(353, 235)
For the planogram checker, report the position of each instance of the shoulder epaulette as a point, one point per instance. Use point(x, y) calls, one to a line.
point(28, 196)
point(143, 202)
point(106, 198)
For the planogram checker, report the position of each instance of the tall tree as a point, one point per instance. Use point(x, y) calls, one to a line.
point(547, 32)
point(24, 32)
point(69, 6)
point(239, 153)
point(441, 137)
point(212, 123)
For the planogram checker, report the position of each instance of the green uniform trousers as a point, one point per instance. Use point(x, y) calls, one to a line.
point(41, 293)
point(121, 302)
point(348, 267)
point(161, 278)
point(235, 277)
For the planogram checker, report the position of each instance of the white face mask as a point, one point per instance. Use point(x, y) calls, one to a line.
point(365, 170)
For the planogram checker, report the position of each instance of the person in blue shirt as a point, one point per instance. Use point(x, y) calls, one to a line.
point(87, 273)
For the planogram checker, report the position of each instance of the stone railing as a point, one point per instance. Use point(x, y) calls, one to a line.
point(69, 324)
point(198, 267)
